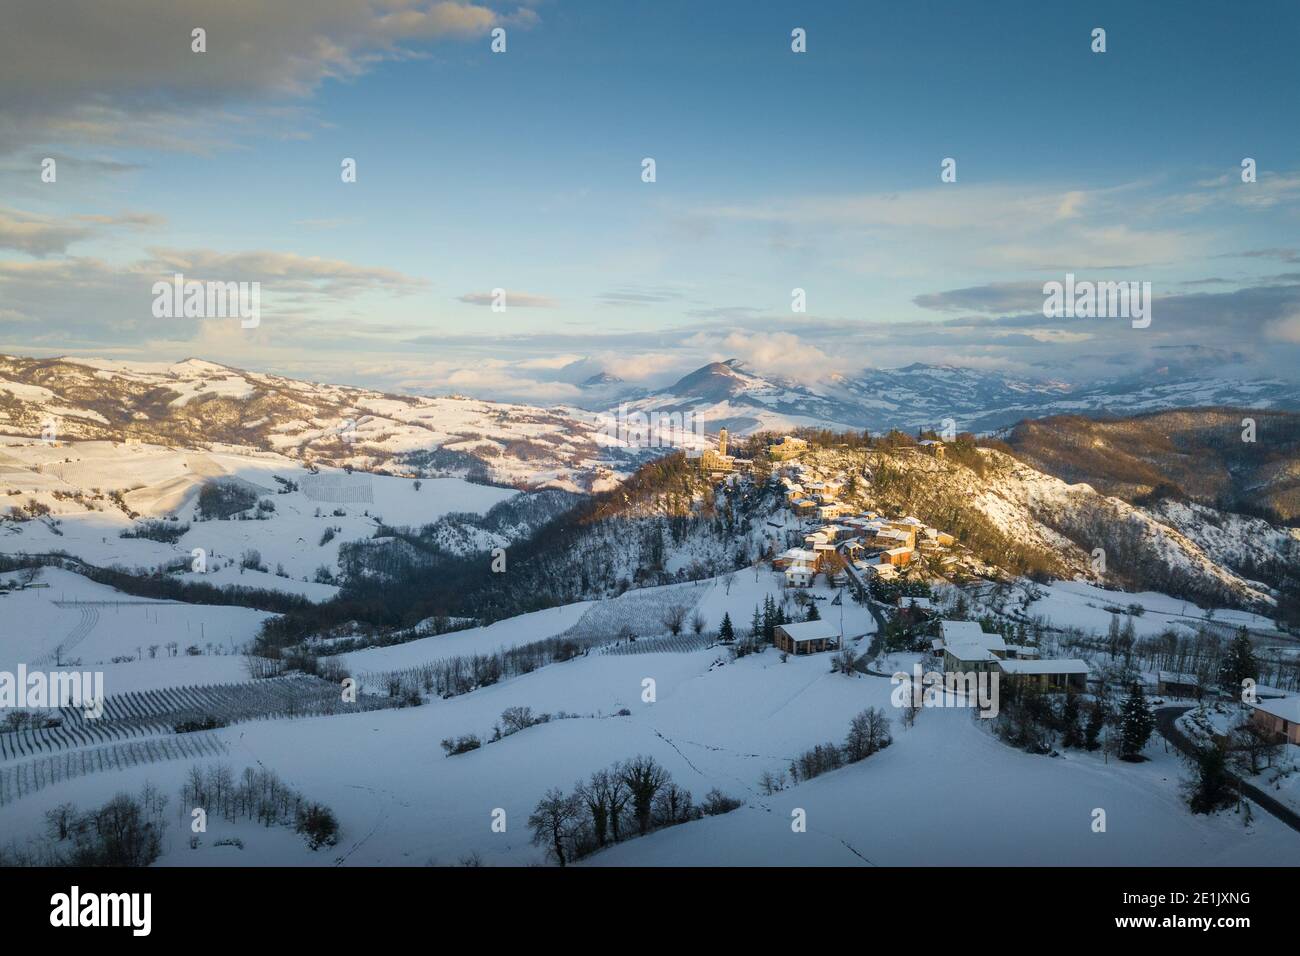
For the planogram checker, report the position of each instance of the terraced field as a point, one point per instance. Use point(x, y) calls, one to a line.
point(160, 712)
point(22, 779)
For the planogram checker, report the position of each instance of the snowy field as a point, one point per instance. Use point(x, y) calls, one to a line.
point(945, 792)
point(159, 483)
point(79, 620)
point(1083, 605)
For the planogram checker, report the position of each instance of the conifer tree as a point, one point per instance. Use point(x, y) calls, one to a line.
point(1096, 720)
point(1238, 664)
point(726, 633)
point(1136, 724)
point(1071, 735)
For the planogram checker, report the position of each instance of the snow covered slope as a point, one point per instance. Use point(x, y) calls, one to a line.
point(200, 405)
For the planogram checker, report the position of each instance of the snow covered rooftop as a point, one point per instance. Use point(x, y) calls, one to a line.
point(811, 631)
point(1287, 708)
point(955, 631)
point(1069, 665)
point(970, 651)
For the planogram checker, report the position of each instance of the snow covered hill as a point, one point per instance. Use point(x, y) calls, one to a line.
point(256, 520)
point(200, 405)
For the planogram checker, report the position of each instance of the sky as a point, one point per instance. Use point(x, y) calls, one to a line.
point(775, 170)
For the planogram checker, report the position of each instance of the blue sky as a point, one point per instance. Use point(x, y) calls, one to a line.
point(775, 170)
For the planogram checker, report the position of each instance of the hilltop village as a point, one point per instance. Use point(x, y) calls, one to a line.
point(861, 550)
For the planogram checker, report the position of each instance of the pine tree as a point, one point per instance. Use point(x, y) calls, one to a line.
point(1136, 724)
point(726, 634)
point(1239, 664)
point(1211, 788)
point(1092, 732)
point(756, 624)
point(1071, 736)
point(769, 618)
point(813, 613)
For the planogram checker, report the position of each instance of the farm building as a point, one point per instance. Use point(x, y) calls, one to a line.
point(806, 637)
point(1064, 674)
point(1280, 717)
point(1171, 684)
point(967, 648)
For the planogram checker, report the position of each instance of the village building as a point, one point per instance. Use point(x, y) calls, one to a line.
point(898, 557)
point(794, 556)
point(1279, 717)
point(806, 637)
point(931, 447)
point(1172, 684)
point(1050, 675)
point(788, 447)
point(966, 647)
point(800, 575)
point(713, 462)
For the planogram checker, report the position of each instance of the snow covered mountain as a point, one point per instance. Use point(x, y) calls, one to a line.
point(733, 395)
point(201, 405)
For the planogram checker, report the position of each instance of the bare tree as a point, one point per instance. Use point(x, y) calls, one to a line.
point(868, 732)
point(674, 617)
point(644, 777)
point(553, 821)
point(698, 623)
point(1250, 744)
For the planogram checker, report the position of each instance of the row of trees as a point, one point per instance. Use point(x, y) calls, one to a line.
point(631, 798)
point(258, 795)
point(868, 734)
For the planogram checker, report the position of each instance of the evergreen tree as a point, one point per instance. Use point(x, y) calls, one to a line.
point(1136, 724)
point(1096, 720)
point(1071, 735)
point(726, 633)
point(813, 613)
point(769, 618)
point(1211, 788)
point(756, 624)
point(1239, 664)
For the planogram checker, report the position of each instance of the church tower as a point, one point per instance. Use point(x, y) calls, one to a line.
point(722, 442)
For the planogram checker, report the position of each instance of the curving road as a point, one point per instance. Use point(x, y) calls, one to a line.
point(1166, 718)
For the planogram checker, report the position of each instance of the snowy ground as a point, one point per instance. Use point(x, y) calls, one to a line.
point(1083, 605)
point(945, 792)
point(159, 483)
point(93, 624)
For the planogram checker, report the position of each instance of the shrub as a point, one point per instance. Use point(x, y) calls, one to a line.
point(319, 825)
point(460, 745)
point(715, 802)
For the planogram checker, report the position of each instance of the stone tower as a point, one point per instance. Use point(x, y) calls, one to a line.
point(722, 441)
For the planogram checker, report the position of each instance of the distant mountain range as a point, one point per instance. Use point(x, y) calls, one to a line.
point(733, 395)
